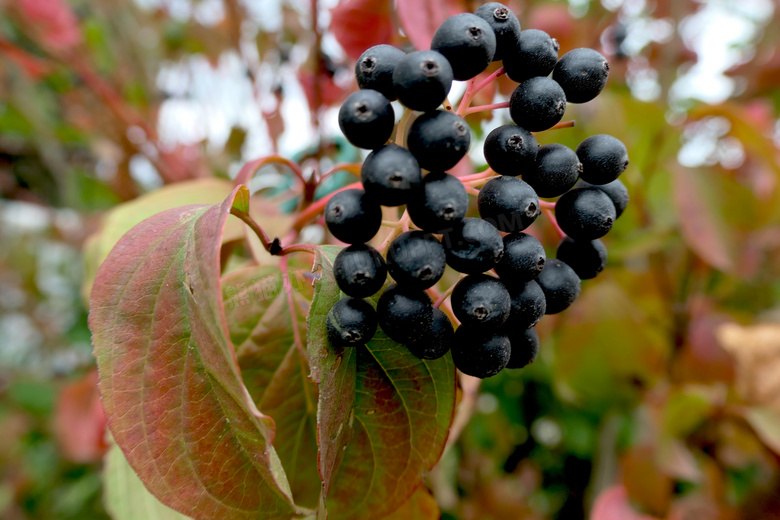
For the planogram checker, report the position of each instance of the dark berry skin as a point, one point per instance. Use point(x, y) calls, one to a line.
point(525, 347)
point(352, 217)
point(603, 158)
point(587, 257)
point(505, 26)
point(557, 170)
point(528, 305)
point(508, 203)
point(615, 190)
point(439, 204)
point(585, 213)
point(560, 285)
point(416, 260)
point(473, 246)
point(537, 104)
point(351, 322)
point(367, 119)
point(390, 175)
point(422, 80)
point(535, 56)
point(404, 314)
point(582, 74)
point(468, 42)
point(437, 340)
point(478, 353)
point(479, 300)
point(523, 259)
point(360, 270)
point(438, 140)
point(374, 69)
point(510, 150)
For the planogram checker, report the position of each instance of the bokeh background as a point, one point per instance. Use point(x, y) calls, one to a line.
point(657, 395)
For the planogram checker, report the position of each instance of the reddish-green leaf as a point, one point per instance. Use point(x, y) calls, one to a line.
point(766, 423)
point(383, 414)
point(170, 383)
point(612, 504)
point(422, 506)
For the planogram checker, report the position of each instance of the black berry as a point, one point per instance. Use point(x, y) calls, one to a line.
point(557, 170)
point(523, 259)
point(351, 322)
point(585, 213)
point(416, 260)
point(508, 203)
point(360, 270)
point(422, 80)
point(367, 119)
point(473, 246)
point(603, 158)
point(510, 150)
point(480, 300)
point(404, 314)
point(505, 26)
point(582, 73)
point(440, 204)
point(352, 217)
point(480, 353)
point(468, 42)
point(560, 285)
point(374, 69)
point(536, 55)
point(439, 139)
point(390, 175)
point(436, 340)
point(615, 190)
point(528, 305)
point(587, 257)
point(537, 104)
point(525, 347)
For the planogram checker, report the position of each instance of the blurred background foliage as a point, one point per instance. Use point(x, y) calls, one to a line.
point(655, 395)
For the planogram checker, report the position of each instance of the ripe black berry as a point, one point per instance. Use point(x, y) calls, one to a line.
point(436, 340)
point(603, 158)
point(440, 203)
point(505, 26)
point(390, 175)
point(374, 69)
point(560, 285)
point(528, 305)
point(473, 246)
point(537, 104)
point(585, 213)
point(480, 353)
point(352, 217)
point(523, 259)
point(525, 347)
point(468, 42)
point(416, 260)
point(508, 203)
point(404, 314)
point(582, 74)
point(422, 80)
point(480, 300)
point(351, 322)
point(360, 270)
point(536, 55)
point(438, 140)
point(367, 119)
point(557, 170)
point(510, 150)
point(587, 257)
point(615, 190)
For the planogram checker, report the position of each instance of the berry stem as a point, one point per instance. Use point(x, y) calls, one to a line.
point(549, 214)
point(443, 296)
point(562, 124)
point(544, 204)
point(485, 108)
point(307, 215)
point(473, 88)
point(403, 124)
point(471, 191)
point(476, 176)
point(401, 225)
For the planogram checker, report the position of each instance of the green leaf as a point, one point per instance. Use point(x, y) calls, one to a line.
point(383, 414)
point(268, 335)
point(170, 384)
point(766, 423)
point(125, 496)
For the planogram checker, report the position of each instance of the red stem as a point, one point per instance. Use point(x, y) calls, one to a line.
point(484, 108)
point(549, 214)
point(249, 169)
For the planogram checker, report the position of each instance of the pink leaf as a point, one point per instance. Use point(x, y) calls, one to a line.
point(54, 21)
point(79, 420)
point(360, 24)
point(420, 18)
point(612, 504)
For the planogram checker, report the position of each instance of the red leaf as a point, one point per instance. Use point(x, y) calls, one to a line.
point(79, 421)
point(171, 387)
point(420, 18)
point(55, 22)
point(612, 504)
point(360, 24)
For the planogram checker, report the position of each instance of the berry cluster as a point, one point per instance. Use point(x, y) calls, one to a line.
point(497, 314)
